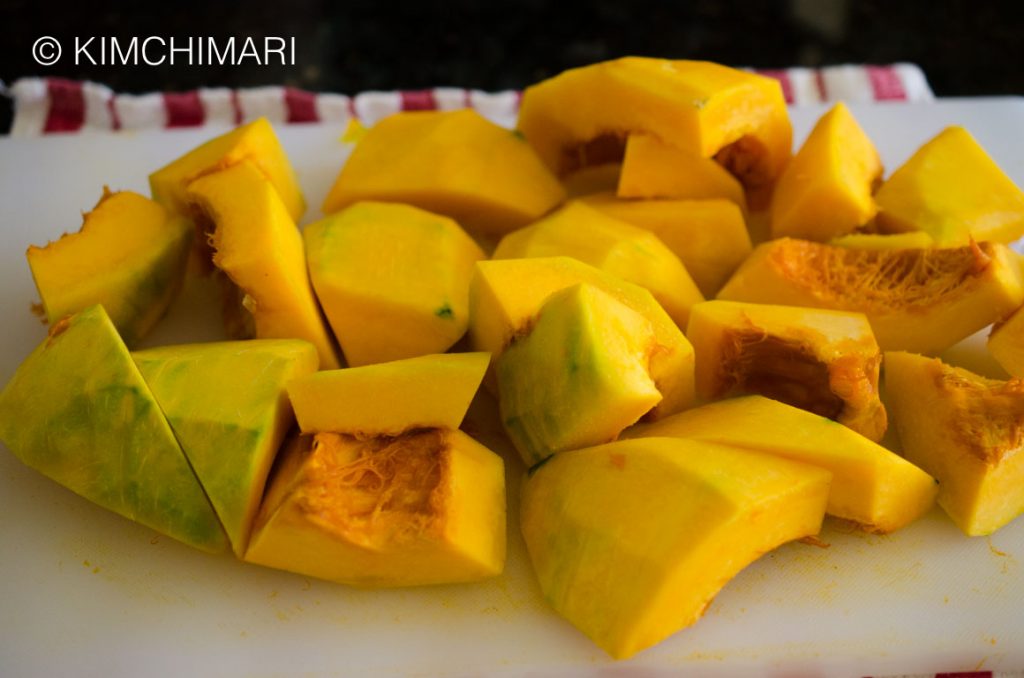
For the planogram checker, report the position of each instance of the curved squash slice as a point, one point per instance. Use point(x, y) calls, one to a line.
point(630, 541)
point(878, 490)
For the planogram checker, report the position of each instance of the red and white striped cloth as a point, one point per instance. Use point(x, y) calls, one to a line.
point(52, 105)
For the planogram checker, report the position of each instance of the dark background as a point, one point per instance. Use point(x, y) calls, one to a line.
point(965, 48)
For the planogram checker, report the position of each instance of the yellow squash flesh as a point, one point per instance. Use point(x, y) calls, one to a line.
point(709, 236)
point(426, 507)
point(393, 280)
point(129, 256)
point(455, 163)
point(1006, 343)
point(631, 541)
point(633, 254)
point(922, 300)
point(506, 294)
point(953, 190)
point(254, 142)
point(967, 431)
point(432, 391)
point(871, 486)
point(825, 190)
point(654, 169)
point(826, 362)
point(577, 376)
point(257, 245)
point(583, 116)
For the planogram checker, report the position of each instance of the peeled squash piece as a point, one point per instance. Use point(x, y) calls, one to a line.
point(129, 255)
point(257, 245)
point(78, 411)
point(432, 391)
point(393, 280)
point(427, 507)
point(953, 190)
point(505, 296)
point(583, 116)
point(634, 254)
point(227, 406)
point(653, 169)
point(1006, 343)
point(455, 163)
point(877, 489)
point(710, 237)
point(254, 142)
point(922, 300)
point(825, 362)
point(577, 376)
point(965, 430)
point(631, 541)
point(825, 190)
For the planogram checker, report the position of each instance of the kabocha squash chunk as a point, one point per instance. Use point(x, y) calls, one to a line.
point(129, 255)
point(432, 391)
point(226, 403)
point(506, 294)
point(922, 300)
point(78, 411)
point(254, 142)
point(1006, 343)
point(825, 362)
point(578, 376)
point(583, 116)
point(630, 541)
point(953, 190)
point(427, 507)
point(455, 163)
point(709, 236)
point(256, 244)
point(825, 190)
point(653, 169)
point(967, 431)
point(611, 245)
point(878, 490)
point(392, 279)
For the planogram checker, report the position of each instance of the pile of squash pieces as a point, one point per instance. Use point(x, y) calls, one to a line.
point(683, 325)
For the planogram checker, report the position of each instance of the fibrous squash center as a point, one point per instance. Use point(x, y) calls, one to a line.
point(783, 369)
point(990, 424)
point(881, 280)
point(607, 147)
point(381, 491)
point(238, 320)
point(744, 159)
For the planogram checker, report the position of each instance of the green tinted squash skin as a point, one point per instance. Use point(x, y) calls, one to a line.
point(136, 293)
point(78, 411)
point(227, 405)
point(590, 353)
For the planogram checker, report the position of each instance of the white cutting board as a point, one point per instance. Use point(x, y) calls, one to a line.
point(85, 592)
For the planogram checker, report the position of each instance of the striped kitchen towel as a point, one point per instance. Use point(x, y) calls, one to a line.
point(52, 105)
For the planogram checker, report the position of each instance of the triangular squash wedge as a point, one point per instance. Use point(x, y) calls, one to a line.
point(78, 411)
point(227, 406)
